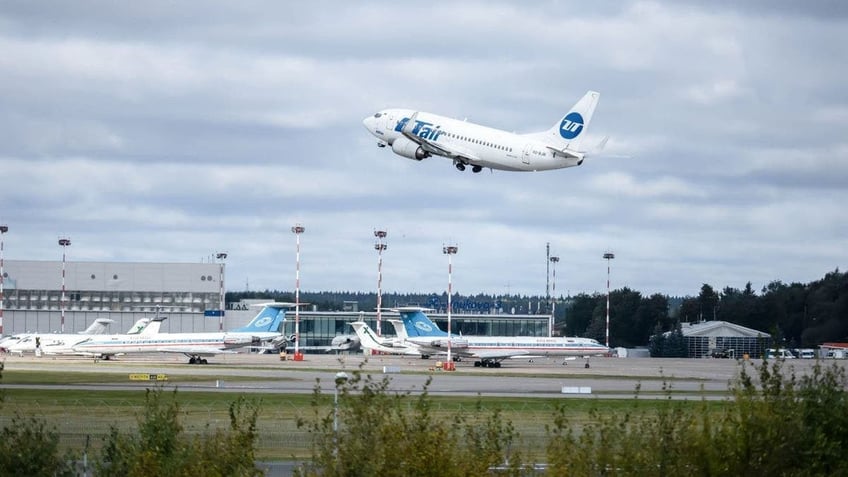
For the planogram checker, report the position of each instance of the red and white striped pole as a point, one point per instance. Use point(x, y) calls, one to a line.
point(608, 256)
point(64, 242)
point(3, 229)
point(380, 246)
point(554, 261)
point(221, 256)
point(449, 251)
point(297, 230)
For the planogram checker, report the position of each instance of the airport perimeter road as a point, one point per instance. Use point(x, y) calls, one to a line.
point(606, 378)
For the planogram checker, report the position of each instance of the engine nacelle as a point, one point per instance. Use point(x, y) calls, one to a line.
point(406, 148)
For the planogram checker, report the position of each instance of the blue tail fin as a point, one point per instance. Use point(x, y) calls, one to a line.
point(417, 324)
point(270, 319)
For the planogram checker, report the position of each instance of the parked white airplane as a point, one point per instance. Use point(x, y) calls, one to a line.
point(265, 326)
point(418, 135)
point(63, 344)
point(29, 342)
point(369, 340)
point(489, 350)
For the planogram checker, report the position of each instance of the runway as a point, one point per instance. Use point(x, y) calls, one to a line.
point(252, 373)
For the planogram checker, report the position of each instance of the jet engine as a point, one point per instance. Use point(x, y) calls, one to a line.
point(409, 149)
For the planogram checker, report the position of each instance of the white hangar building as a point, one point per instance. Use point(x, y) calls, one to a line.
point(189, 294)
point(708, 337)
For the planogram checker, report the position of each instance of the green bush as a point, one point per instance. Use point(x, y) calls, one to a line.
point(775, 424)
point(161, 448)
point(390, 434)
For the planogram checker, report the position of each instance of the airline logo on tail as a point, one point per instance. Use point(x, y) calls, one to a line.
point(264, 321)
point(418, 324)
point(571, 126)
point(268, 319)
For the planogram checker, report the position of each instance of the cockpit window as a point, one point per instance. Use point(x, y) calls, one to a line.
point(377, 115)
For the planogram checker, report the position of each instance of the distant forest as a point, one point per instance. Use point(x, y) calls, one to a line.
point(796, 315)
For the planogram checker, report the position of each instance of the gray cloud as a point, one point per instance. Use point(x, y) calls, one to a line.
point(165, 132)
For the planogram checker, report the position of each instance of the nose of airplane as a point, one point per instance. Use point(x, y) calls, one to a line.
point(369, 123)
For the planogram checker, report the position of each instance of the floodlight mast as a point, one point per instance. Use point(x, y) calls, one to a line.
point(449, 250)
point(554, 261)
point(380, 246)
point(221, 256)
point(297, 229)
point(3, 229)
point(64, 242)
point(608, 256)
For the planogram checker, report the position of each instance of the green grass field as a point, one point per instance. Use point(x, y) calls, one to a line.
point(85, 416)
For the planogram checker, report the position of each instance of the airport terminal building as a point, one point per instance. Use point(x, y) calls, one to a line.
point(190, 295)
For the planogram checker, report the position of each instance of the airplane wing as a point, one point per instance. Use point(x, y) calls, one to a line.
point(433, 147)
point(500, 355)
point(195, 351)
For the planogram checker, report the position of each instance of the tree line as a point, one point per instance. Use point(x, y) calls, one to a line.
point(795, 315)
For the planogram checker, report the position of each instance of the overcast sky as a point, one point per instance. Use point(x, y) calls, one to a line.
point(164, 131)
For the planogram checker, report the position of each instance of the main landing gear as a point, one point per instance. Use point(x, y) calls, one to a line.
point(460, 166)
point(487, 363)
point(197, 360)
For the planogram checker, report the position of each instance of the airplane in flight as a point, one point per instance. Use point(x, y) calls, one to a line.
point(488, 350)
point(418, 135)
point(266, 326)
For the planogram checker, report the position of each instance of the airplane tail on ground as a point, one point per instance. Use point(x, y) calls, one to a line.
point(400, 329)
point(417, 324)
point(369, 340)
point(138, 326)
point(365, 334)
point(153, 326)
point(569, 132)
point(269, 319)
point(98, 327)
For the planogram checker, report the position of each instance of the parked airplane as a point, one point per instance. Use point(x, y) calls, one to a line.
point(369, 340)
point(491, 350)
point(30, 342)
point(338, 344)
point(266, 326)
point(418, 135)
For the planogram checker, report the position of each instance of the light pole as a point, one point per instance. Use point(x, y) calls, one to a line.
point(554, 261)
point(449, 250)
point(341, 378)
point(608, 256)
point(380, 246)
point(297, 230)
point(64, 243)
point(3, 229)
point(221, 256)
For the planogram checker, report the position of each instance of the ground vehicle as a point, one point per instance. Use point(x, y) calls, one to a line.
point(781, 353)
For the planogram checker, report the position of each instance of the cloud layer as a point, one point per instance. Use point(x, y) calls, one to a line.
point(167, 132)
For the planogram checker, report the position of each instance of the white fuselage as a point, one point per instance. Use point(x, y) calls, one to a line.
point(49, 343)
point(472, 143)
point(538, 346)
point(186, 343)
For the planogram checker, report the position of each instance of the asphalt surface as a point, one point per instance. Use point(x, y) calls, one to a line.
point(546, 377)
